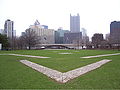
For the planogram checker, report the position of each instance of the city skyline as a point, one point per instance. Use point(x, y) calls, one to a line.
point(95, 15)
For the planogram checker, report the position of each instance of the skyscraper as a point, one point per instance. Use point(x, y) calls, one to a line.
point(59, 35)
point(85, 38)
point(75, 23)
point(72, 38)
point(45, 36)
point(115, 32)
point(84, 32)
point(8, 28)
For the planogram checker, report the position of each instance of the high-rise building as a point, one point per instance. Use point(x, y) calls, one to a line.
point(75, 23)
point(84, 32)
point(85, 38)
point(115, 32)
point(107, 37)
point(59, 35)
point(45, 36)
point(8, 28)
point(62, 32)
point(72, 38)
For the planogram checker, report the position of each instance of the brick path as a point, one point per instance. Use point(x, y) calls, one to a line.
point(26, 55)
point(64, 77)
point(101, 55)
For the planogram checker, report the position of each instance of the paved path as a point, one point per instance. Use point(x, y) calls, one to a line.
point(26, 55)
point(64, 77)
point(101, 55)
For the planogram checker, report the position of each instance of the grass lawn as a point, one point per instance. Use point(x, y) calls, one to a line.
point(15, 75)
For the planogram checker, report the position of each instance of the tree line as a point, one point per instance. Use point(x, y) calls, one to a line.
point(26, 41)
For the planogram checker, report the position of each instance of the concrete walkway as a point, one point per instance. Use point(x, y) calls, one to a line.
point(101, 55)
point(64, 77)
point(26, 55)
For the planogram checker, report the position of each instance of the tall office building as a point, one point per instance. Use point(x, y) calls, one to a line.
point(74, 35)
point(75, 23)
point(8, 28)
point(85, 38)
point(45, 36)
point(84, 32)
point(72, 38)
point(115, 32)
point(59, 35)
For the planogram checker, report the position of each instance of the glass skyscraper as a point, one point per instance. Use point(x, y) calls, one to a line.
point(75, 23)
point(115, 32)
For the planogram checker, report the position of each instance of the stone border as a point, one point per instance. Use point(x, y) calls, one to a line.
point(101, 55)
point(26, 55)
point(64, 77)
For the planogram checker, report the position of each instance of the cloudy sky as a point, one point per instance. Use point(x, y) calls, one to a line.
point(95, 15)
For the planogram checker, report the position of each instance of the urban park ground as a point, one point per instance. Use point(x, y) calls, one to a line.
point(16, 75)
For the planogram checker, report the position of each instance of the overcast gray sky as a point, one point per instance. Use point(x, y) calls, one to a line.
point(95, 15)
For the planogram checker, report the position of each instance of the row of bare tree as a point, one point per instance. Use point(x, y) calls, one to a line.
point(26, 41)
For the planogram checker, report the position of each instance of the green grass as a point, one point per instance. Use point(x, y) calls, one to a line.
point(15, 75)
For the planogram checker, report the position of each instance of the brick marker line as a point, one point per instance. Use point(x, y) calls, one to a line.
point(64, 77)
point(101, 55)
point(54, 74)
point(26, 55)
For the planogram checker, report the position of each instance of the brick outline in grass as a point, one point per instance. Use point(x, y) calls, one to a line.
point(26, 55)
point(101, 55)
point(65, 53)
point(64, 77)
